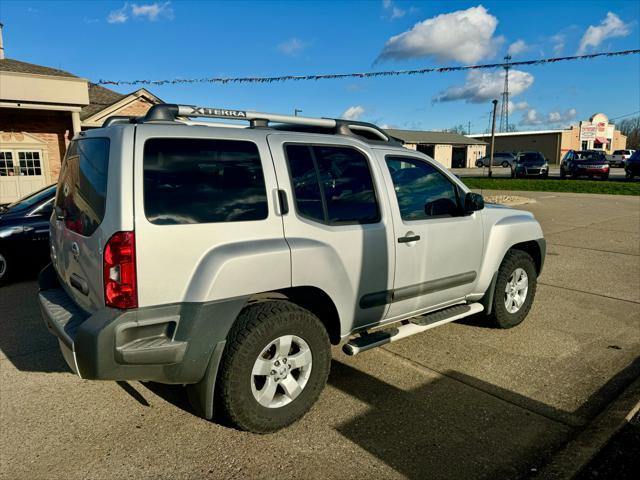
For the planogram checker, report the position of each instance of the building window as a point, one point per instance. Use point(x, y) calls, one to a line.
point(30, 163)
point(6, 164)
point(585, 145)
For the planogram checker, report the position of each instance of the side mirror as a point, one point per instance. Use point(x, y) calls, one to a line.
point(473, 202)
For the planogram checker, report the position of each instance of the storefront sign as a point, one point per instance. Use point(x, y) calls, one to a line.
point(588, 132)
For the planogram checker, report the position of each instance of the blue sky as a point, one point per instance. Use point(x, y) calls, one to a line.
point(183, 39)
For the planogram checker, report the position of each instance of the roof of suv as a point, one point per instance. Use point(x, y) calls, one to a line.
point(177, 114)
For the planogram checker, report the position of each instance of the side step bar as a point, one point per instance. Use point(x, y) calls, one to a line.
point(419, 324)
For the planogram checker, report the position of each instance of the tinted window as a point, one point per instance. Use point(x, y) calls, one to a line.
point(332, 184)
point(203, 181)
point(590, 156)
point(34, 198)
point(531, 157)
point(305, 182)
point(422, 190)
point(82, 187)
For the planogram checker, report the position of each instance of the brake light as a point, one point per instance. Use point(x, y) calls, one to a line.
point(119, 271)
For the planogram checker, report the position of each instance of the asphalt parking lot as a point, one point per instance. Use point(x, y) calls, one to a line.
point(459, 401)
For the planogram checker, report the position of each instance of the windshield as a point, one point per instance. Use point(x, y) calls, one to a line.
point(33, 199)
point(589, 157)
point(530, 157)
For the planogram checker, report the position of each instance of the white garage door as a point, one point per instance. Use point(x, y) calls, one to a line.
point(21, 172)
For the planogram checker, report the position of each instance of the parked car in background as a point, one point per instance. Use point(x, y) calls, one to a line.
point(527, 164)
point(24, 232)
point(504, 159)
point(619, 157)
point(581, 163)
point(632, 165)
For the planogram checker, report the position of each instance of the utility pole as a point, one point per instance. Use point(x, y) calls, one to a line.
point(504, 112)
point(296, 111)
point(493, 137)
point(469, 127)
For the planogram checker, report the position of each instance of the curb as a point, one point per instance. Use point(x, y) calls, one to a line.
point(576, 454)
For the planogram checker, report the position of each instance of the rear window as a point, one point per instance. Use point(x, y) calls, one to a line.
point(621, 152)
point(332, 185)
point(203, 181)
point(82, 187)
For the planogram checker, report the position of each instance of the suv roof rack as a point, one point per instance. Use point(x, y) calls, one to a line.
point(167, 112)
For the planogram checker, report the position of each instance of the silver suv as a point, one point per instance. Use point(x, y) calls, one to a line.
point(230, 259)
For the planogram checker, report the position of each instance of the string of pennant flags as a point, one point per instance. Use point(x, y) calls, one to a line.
point(384, 73)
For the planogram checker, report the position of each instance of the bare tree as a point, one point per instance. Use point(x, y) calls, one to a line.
point(631, 128)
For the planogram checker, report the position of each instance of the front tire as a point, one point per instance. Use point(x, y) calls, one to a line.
point(515, 289)
point(274, 367)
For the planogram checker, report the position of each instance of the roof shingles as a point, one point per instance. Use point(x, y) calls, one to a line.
point(10, 65)
point(417, 136)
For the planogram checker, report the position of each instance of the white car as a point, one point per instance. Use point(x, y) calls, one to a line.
point(229, 259)
point(619, 157)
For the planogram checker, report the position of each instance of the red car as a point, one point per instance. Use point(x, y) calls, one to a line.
point(584, 163)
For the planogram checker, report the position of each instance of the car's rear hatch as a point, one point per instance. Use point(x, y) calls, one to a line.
point(83, 221)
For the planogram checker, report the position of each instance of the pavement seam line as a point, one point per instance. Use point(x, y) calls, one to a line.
point(589, 293)
point(591, 249)
point(419, 366)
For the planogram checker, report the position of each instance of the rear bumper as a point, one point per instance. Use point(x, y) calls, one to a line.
point(168, 344)
point(592, 171)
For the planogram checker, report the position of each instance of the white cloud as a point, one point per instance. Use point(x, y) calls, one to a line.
point(392, 10)
point(147, 11)
point(558, 40)
point(464, 36)
point(118, 16)
point(353, 113)
point(514, 107)
point(292, 47)
point(152, 11)
point(610, 27)
point(480, 87)
point(517, 47)
point(533, 117)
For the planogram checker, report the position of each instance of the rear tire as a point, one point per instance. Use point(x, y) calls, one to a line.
point(5, 268)
point(517, 270)
point(257, 342)
point(505, 164)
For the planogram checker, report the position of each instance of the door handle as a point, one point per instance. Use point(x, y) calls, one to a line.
point(409, 238)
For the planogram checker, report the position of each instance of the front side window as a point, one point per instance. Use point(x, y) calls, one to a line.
point(332, 185)
point(422, 190)
point(203, 181)
point(82, 187)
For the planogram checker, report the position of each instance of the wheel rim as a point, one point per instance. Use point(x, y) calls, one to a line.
point(515, 292)
point(3, 265)
point(281, 371)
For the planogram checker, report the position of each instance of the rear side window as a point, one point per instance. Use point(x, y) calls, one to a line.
point(332, 185)
point(203, 181)
point(82, 187)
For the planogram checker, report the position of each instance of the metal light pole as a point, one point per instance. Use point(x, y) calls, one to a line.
point(296, 111)
point(493, 137)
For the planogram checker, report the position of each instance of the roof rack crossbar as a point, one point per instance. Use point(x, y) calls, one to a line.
point(171, 112)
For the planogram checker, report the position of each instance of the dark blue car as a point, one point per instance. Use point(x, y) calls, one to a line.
point(24, 233)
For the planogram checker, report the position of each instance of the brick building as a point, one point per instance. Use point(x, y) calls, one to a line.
point(41, 108)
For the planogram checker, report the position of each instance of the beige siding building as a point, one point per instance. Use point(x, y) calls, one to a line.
point(449, 149)
point(597, 133)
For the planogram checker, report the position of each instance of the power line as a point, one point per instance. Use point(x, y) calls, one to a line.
point(385, 73)
point(625, 115)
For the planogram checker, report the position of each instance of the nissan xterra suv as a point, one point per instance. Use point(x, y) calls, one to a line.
point(230, 259)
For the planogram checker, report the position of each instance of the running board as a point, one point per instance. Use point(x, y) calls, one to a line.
point(367, 341)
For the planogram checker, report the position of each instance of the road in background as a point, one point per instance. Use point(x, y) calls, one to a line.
point(501, 172)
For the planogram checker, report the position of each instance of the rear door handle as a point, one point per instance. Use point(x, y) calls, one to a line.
point(409, 238)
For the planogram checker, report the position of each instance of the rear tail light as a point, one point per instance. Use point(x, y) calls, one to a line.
point(119, 269)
